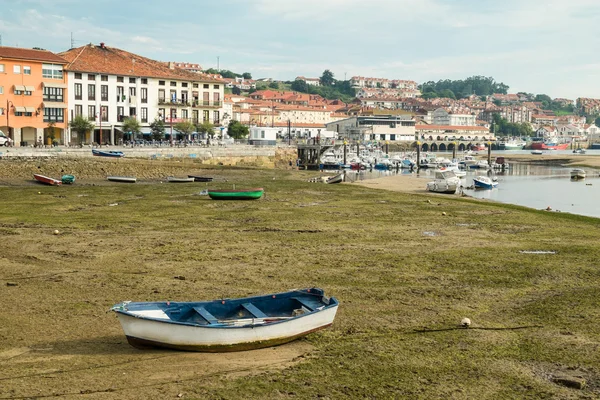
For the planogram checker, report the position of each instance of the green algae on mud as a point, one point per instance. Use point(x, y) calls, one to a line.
point(400, 290)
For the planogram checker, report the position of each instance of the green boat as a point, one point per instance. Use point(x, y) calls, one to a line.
point(68, 179)
point(236, 194)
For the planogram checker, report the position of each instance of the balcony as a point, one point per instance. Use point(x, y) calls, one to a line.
point(176, 103)
point(207, 103)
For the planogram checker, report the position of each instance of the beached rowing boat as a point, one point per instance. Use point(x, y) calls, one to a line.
point(46, 180)
point(233, 194)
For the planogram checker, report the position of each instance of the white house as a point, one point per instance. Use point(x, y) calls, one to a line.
point(376, 127)
point(108, 85)
point(263, 136)
point(309, 81)
point(443, 117)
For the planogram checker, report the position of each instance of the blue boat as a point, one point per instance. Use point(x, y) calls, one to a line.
point(227, 324)
point(484, 182)
point(106, 153)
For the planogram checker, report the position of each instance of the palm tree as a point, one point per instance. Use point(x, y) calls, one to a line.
point(81, 125)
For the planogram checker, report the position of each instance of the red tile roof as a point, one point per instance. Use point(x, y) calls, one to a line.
point(110, 60)
point(30, 55)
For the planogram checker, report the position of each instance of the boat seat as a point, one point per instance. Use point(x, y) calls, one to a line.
point(304, 303)
point(206, 315)
point(252, 309)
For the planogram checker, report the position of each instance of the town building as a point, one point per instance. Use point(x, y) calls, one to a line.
point(33, 92)
point(458, 117)
point(196, 68)
point(107, 85)
point(375, 127)
point(309, 81)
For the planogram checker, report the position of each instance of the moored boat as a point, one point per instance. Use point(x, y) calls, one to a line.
point(107, 153)
point(68, 179)
point(445, 181)
point(549, 145)
point(537, 152)
point(47, 180)
point(175, 179)
point(484, 182)
point(338, 178)
point(577, 173)
point(229, 324)
point(201, 178)
point(236, 194)
point(124, 179)
point(512, 145)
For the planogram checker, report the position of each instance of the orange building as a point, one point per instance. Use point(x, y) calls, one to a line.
point(33, 96)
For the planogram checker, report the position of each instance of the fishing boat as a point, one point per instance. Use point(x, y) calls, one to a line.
point(512, 145)
point(229, 324)
point(484, 182)
point(201, 178)
point(236, 194)
point(68, 179)
point(577, 173)
point(338, 178)
point(549, 145)
point(106, 153)
point(445, 181)
point(175, 179)
point(124, 179)
point(46, 180)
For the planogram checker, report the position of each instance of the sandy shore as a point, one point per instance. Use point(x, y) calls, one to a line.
point(397, 183)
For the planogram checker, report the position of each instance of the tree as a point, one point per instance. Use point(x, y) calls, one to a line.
point(81, 125)
point(327, 78)
point(186, 128)
point(274, 85)
point(597, 121)
point(206, 128)
point(300, 86)
point(236, 90)
point(132, 127)
point(247, 75)
point(157, 128)
point(51, 132)
point(236, 130)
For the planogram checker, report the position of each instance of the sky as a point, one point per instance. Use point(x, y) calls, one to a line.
point(535, 46)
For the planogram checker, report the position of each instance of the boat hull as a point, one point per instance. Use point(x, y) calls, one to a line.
point(47, 180)
point(241, 194)
point(578, 174)
point(484, 183)
point(123, 179)
point(201, 178)
point(173, 179)
point(545, 146)
point(113, 154)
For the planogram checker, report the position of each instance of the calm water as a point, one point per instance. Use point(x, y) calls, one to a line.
point(534, 186)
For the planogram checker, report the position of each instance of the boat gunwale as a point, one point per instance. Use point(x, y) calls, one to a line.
point(235, 190)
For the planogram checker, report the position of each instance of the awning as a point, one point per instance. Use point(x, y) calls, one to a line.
point(48, 104)
point(19, 109)
point(20, 87)
point(30, 109)
point(54, 85)
point(29, 88)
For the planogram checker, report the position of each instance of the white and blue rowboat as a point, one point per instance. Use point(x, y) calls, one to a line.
point(484, 182)
point(226, 325)
point(107, 153)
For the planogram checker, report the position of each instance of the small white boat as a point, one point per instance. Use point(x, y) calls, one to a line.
point(175, 179)
point(124, 179)
point(537, 152)
point(226, 324)
point(445, 181)
point(338, 178)
point(484, 182)
point(577, 173)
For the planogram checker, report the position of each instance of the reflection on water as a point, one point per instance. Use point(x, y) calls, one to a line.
point(535, 186)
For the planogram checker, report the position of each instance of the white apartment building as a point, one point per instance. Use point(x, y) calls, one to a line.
point(377, 127)
point(108, 85)
point(443, 117)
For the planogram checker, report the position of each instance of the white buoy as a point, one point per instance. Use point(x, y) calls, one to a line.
point(465, 322)
point(56, 232)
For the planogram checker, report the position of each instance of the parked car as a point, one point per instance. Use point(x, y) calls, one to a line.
point(4, 140)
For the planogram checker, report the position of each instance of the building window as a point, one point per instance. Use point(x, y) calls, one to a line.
point(119, 79)
point(104, 93)
point(195, 85)
point(144, 114)
point(161, 114)
point(132, 111)
point(173, 83)
point(18, 113)
point(92, 113)
point(26, 70)
point(144, 81)
point(104, 78)
point(161, 83)
point(104, 113)
point(206, 86)
point(18, 92)
point(121, 93)
point(78, 110)
point(131, 80)
point(1, 68)
point(54, 115)
point(216, 86)
point(184, 84)
point(92, 92)
point(17, 69)
point(184, 114)
point(131, 91)
point(91, 77)
point(53, 94)
point(215, 117)
point(78, 91)
point(1, 89)
point(53, 71)
point(77, 75)
point(173, 113)
point(195, 116)
point(173, 96)
point(144, 94)
point(120, 113)
point(205, 115)
point(161, 95)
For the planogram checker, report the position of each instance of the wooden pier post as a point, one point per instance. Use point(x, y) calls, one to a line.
point(490, 154)
point(418, 155)
point(345, 151)
point(454, 151)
